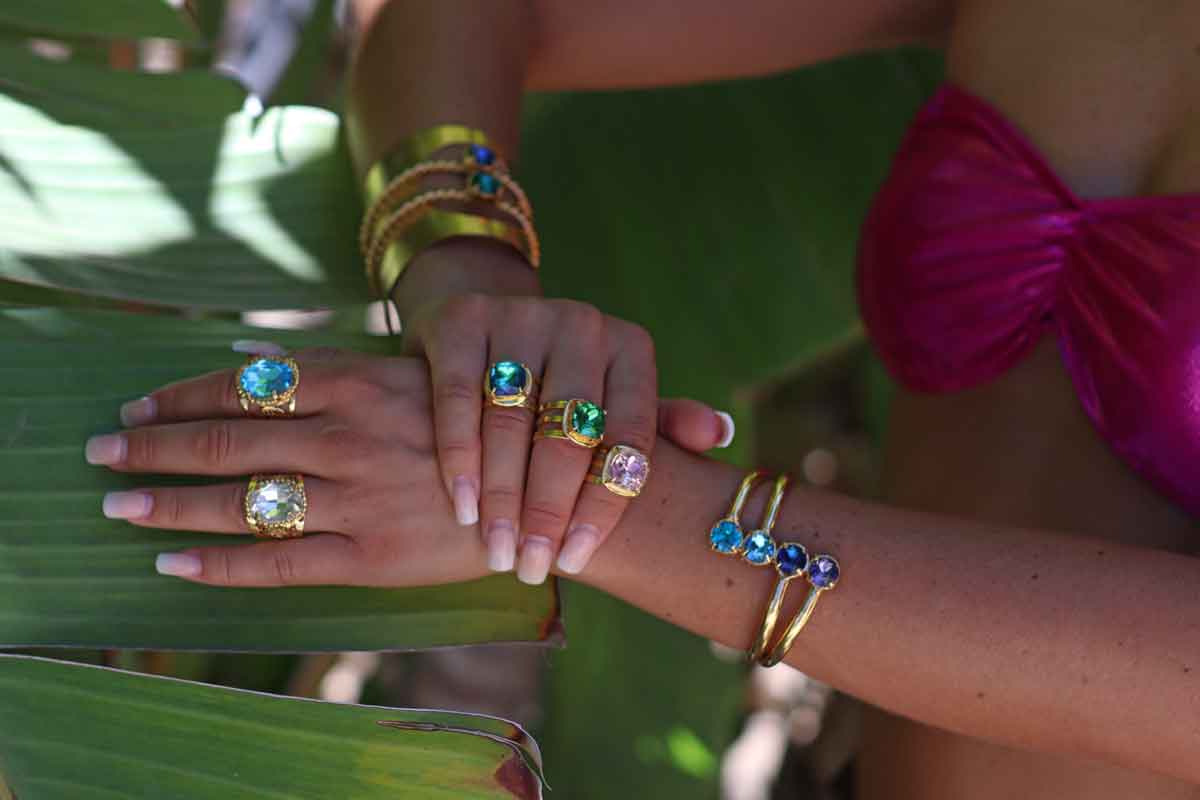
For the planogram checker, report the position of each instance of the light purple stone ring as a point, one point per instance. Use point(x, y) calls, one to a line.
point(621, 469)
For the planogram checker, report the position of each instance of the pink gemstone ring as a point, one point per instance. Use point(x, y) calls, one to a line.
point(621, 469)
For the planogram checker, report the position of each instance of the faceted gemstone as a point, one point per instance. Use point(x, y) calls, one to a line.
point(507, 379)
point(587, 419)
point(791, 559)
point(485, 183)
point(276, 502)
point(823, 572)
point(760, 548)
point(725, 537)
point(483, 155)
point(267, 377)
point(627, 469)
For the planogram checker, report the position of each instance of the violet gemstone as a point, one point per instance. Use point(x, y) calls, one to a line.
point(626, 470)
point(824, 572)
point(791, 559)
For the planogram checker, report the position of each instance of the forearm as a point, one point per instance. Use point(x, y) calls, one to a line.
point(1033, 639)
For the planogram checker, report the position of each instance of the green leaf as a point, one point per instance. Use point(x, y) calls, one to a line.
point(110, 19)
point(73, 731)
point(70, 577)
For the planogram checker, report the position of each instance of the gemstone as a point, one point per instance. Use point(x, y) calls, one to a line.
point(760, 548)
point(276, 502)
point(725, 537)
point(485, 183)
point(626, 470)
point(587, 419)
point(507, 379)
point(482, 155)
point(267, 377)
point(823, 572)
point(791, 559)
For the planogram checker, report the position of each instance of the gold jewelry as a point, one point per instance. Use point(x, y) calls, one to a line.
point(726, 535)
point(419, 147)
point(275, 506)
point(621, 469)
point(268, 384)
point(510, 384)
point(790, 560)
point(580, 421)
point(823, 573)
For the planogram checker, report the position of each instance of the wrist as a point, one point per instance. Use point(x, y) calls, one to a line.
point(461, 266)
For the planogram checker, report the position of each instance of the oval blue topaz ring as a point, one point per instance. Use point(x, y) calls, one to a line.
point(823, 574)
point(510, 384)
point(275, 506)
point(726, 535)
point(578, 421)
point(268, 384)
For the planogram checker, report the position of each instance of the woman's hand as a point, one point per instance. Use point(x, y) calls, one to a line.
point(363, 439)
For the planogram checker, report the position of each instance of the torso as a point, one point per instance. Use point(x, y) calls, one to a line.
point(1110, 92)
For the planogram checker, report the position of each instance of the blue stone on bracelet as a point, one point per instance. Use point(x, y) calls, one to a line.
point(266, 378)
point(823, 572)
point(725, 537)
point(485, 183)
point(507, 379)
point(482, 155)
point(760, 548)
point(791, 559)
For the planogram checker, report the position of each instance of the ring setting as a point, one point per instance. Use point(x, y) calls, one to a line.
point(621, 469)
point(268, 384)
point(580, 421)
point(510, 384)
point(275, 506)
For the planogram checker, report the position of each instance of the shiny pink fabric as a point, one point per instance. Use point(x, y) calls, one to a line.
point(975, 250)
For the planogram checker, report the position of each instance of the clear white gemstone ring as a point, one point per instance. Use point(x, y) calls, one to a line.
point(276, 505)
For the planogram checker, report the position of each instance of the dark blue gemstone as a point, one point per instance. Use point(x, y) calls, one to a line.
point(482, 155)
point(725, 537)
point(760, 548)
point(823, 572)
point(791, 559)
point(507, 378)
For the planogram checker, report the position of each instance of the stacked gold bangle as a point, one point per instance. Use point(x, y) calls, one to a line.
point(789, 559)
point(402, 219)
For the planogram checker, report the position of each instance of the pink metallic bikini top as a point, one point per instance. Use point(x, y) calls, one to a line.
point(975, 249)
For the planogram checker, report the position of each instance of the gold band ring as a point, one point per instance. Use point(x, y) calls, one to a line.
point(275, 506)
point(621, 469)
point(510, 384)
point(580, 421)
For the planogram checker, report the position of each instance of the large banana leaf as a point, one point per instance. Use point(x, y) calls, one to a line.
point(70, 577)
point(120, 19)
point(75, 732)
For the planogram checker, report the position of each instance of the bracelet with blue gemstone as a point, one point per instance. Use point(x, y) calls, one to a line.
point(789, 560)
point(726, 536)
point(823, 574)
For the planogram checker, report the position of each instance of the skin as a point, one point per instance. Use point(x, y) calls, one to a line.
point(1049, 644)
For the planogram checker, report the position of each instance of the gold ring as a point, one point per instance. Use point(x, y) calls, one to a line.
point(275, 506)
point(268, 384)
point(580, 422)
point(621, 469)
point(510, 384)
point(823, 573)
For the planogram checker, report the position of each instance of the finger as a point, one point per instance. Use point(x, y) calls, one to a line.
point(327, 558)
point(325, 373)
point(219, 508)
point(226, 447)
point(457, 360)
point(574, 369)
point(507, 436)
point(693, 425)
point(631, 396)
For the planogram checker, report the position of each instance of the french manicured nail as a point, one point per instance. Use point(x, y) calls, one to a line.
point(138, 412)
point(127, 505)
point(501, 545)
point(582, 541)
point(256, 348)
point(534, 564)
point(727, 429)
point(466, 501)
point(181, 565)
point(105, 450)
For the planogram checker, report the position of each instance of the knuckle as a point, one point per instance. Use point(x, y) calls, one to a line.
point(283, 566)
point(225, 391)
point(509, 422)
point(341, 446)
point(466, 308)
point(215, 445)
point(502, 496)
point(638, 431)
point(638, 342)
point(356, 387)
point(169, 507)
point(544, 517)
point(604, 505)
point(456, 389)
point(584, 318)
point(461, 452)
point(217, 566)
point(140, 448)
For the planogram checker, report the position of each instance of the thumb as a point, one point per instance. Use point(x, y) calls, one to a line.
point(693, 425)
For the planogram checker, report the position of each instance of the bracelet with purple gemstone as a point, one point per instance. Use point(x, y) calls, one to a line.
point(823, 573)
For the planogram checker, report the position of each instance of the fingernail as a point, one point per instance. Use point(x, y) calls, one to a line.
point(106, 449)
point(582, 541)
point(127, 505)
point(181, 565)
point(727, 428)
point(466, 501)
point(534, 565)
point(256, 348)
point(138, 412)
point(501, 545)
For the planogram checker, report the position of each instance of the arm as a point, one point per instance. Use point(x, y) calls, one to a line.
point(1029, 638)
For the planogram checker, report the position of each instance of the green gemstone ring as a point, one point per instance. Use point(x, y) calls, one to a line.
point(581, 422)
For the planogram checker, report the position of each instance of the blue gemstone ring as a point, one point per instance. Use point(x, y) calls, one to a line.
point(267, 384)
point(510, 384)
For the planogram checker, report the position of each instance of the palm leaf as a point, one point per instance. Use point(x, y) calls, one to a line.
point(115, 19)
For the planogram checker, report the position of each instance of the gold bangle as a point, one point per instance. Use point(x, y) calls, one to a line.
point(419, 147)
point(726, 536)
point(823, 574)
point(761, 542)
